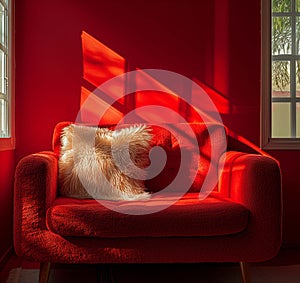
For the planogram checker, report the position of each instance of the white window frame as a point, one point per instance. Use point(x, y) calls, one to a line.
point(8, 143)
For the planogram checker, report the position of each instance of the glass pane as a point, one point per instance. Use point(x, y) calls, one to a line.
point(2, 24)
point(281, 120)
point(280, 78)
point(298, 120)
point(297, 5)
point(281, 5)
point(281, 35)
point(297, 35)
point(298, 78)
point(3, 119)
point(3, 79)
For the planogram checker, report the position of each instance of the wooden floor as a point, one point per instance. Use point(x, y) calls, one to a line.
point(284, 268)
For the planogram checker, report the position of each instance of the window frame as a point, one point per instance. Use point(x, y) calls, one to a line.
point(8, 143)
point(267, 142)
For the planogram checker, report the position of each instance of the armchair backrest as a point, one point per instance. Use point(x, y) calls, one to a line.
point(175, 140)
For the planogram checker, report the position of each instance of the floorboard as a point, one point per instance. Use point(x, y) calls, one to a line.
point(283, 268)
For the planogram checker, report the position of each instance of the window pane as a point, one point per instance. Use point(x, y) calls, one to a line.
point(281, 35)
point(298, 78)
point(298, 120)
point(2, 25)
point(297, 5)
point(297, 35)
point(3, 119)
point(280, 79)
point(281, 5)
point(3, 77)
point(281, 120)
point(4, 94)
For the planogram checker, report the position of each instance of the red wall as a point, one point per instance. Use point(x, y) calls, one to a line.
point(6, 193)
point(217, 42)
point(289, 161)
point(48, 52)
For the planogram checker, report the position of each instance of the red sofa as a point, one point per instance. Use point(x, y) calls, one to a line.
point(240, 221)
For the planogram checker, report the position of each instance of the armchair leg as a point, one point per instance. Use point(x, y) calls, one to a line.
point(245, 272)
point(44, 272)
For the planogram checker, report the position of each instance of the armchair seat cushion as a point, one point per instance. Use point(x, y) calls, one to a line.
point(188, 216)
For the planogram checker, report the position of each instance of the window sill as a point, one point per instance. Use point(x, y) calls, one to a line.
point(282, 144)
point(7, 144)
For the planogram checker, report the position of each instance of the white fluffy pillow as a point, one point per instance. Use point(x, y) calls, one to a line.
point(100, 178)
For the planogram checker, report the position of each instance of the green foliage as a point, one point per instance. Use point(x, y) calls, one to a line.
point(281, 5)
point(280, 75)
point(282, 43)
point(282, 35)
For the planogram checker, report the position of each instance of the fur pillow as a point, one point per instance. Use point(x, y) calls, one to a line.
point(91, 161)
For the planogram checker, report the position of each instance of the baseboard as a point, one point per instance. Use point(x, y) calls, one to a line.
point(290, 245)
point(5, 257)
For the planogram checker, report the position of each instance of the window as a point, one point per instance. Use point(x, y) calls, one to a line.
point(6, 76)
point(280, 74)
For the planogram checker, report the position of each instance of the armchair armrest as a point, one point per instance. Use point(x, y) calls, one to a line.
point(254, 180)
point(34, 191)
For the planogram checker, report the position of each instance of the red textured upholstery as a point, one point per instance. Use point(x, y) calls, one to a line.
point(250, 181)
point(187, 217)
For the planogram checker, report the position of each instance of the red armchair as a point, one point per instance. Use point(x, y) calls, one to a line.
point(239, 222)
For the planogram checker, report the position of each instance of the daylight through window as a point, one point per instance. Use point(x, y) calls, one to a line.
point(4, 71)
point(285, 69)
